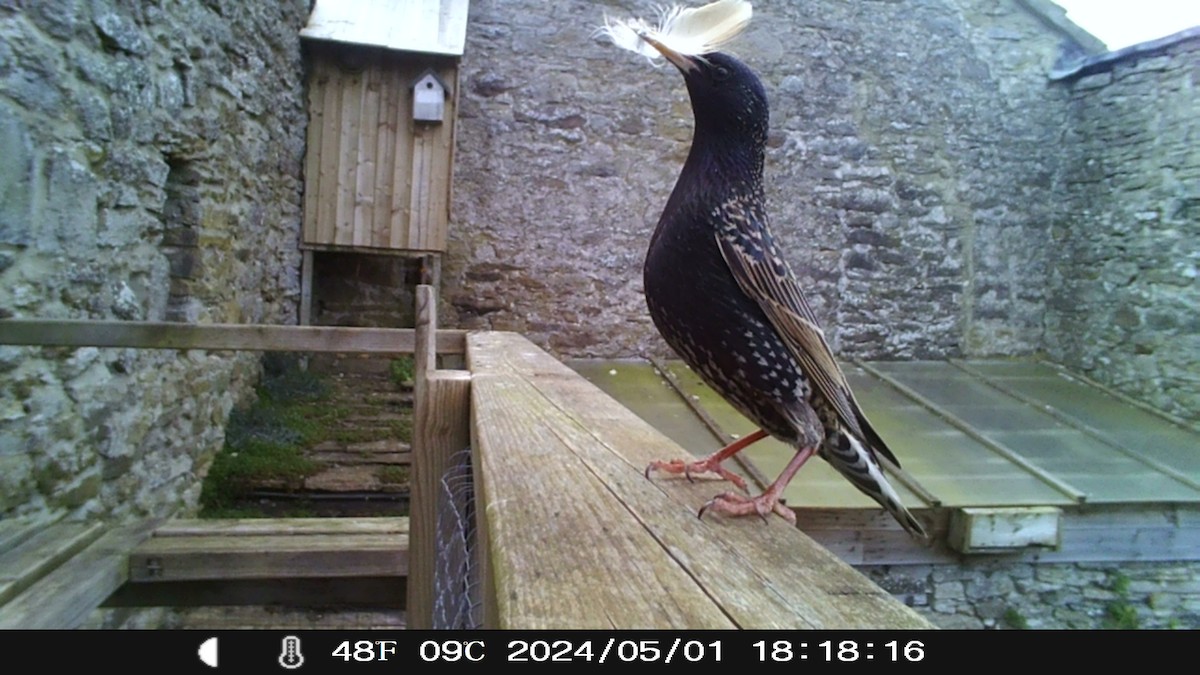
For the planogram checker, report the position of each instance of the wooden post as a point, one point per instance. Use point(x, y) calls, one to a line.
point(425, 352)
point(306, 280)
point(441, 427)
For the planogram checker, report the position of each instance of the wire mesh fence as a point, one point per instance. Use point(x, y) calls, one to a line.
point(457, 602)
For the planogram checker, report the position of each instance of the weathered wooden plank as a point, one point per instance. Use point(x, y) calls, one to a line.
point(307, 258)
point(563, 552)
point(364, 168)
point(442, 173)
point(562, 463)
point(317, 83)
point(401, 182)
point(423, 151)
point(425, 327)
point(13, 531)
point(352, 83)
point(254, 527)
point(444, 234)
point(33, 558)
point(385, 150)
point(327, 191)
point(193, 558)
point(357, 592)
point(168, 335)
point(64, 597)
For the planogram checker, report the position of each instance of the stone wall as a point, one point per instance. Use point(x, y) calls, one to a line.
point(910, 171)
point(1123, 289)
point(151, 170)
point(976, 595)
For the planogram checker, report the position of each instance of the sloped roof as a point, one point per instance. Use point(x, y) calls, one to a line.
point(426, 26)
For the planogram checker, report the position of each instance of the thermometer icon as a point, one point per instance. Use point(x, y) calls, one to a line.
point(291, 658)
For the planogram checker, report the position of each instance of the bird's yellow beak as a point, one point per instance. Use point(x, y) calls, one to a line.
point(681, 62)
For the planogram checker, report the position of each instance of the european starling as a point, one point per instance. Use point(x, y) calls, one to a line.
point(724, 298)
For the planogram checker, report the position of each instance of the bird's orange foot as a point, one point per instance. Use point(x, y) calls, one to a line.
point(732, 504)
point(689, 469)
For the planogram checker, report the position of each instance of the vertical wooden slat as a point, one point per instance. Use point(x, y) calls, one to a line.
point(443, 229)
point(312, 151)
point(364, 193)
point(306, 279)
point(433, 236)
point(327, 194)
point(422, 164)
point(402, 169)
point(425, 354)
point(441, 427)
point(353, 85)
point(385, 152)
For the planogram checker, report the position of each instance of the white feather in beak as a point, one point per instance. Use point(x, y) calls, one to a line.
point(690, 31)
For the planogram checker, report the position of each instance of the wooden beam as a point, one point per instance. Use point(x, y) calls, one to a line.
point(37, 556)
point(167, 335)
point(578, 537)
point(306, 287)
point(424, 348)
point(64, 597)
point(269, 556)
point(300, 527)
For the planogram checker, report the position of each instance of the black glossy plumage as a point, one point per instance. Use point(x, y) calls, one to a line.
point(724, 298)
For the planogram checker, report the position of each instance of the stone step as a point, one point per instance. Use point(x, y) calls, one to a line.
point(354, 478)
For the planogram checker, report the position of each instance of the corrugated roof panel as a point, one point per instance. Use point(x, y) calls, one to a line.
point(1087, 462)
point(426, 26)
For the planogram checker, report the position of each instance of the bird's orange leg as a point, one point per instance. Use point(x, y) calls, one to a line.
point(733, 504)
point(712, 463)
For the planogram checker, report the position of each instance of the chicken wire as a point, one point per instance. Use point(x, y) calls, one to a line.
point(457, 595)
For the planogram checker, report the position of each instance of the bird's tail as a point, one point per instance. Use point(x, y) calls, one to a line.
point(852, 459)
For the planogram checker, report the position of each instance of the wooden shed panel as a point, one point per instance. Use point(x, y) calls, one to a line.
point(398, 219)
point(391, 95)
point(364, 164)
point(378, 180)
point(312, 164)
point(327, 190)
point(347, 158)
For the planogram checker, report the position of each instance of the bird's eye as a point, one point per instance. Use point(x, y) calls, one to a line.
point(721, 73)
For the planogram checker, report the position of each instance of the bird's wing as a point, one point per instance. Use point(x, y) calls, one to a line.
point(762, 274)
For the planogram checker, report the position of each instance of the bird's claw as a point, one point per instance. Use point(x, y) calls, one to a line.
point(691, 469)
point(733, 504)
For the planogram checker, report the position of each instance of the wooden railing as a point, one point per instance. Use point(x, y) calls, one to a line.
point(571, 533)
point(575, 536)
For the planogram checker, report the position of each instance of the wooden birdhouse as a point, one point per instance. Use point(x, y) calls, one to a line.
point(429, 96)
point(383, 99)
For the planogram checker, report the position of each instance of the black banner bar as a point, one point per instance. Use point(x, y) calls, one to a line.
point(343, 651)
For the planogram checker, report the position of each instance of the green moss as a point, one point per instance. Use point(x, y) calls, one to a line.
point(401, 370)
point(1014, 619)
point(1121, 615)
point(1120, 584)
point(238, 469)
point(402, 429)
point(358, 435)
point(394, 474)
point(265, 441)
